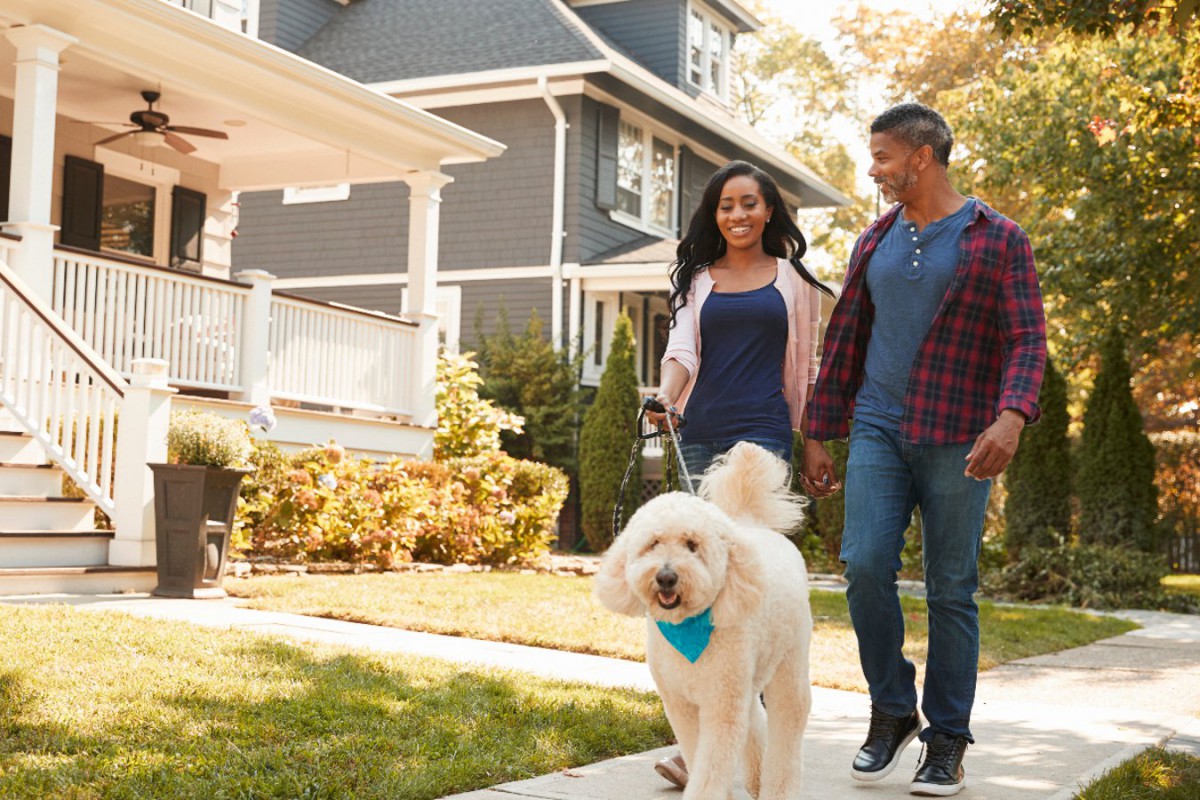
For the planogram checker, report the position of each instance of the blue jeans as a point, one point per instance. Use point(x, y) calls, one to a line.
point(699, 456)
point(885, 479)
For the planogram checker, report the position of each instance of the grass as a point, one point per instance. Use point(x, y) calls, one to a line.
point(1182, 584)
point(103, 705)
point(1155, 774)
point(560, 612)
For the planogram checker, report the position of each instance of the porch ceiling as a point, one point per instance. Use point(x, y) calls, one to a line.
point(290, 122)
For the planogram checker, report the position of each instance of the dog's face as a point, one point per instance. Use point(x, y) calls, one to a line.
point(671, 561)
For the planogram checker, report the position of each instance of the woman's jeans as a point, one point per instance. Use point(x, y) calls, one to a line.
point(699, 456)
point(885, 480)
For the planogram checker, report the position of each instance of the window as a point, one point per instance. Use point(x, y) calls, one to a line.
point(708, 52)
point(645, 178)
point(127, 217)
point(448, 307)
point(629, 170)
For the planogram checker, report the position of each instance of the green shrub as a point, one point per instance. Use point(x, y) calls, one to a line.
point(609, 428)
point(468, 425)
point(528, 377)
point(1117, 496)
point(1085, 576)
point(206, 439)
point(1037, 510)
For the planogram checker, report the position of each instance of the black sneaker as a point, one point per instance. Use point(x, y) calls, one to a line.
point(886, 740)
point(940, 773)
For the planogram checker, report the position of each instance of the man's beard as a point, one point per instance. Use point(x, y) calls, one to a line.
point(895, 186)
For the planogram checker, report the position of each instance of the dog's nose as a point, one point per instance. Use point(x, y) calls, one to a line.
point(666, 579)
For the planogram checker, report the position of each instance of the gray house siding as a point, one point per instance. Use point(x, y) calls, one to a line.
point(499, 213)
point(290, 23)
point(482, 301)
point(653, 32)
point(367, 233)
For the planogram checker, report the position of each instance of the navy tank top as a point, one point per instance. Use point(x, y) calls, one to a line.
point(739, 391)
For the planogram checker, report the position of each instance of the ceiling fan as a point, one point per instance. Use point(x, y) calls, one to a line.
point(150, 121)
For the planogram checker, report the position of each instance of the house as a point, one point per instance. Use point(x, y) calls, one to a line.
point(127, 129)
point(614, 113)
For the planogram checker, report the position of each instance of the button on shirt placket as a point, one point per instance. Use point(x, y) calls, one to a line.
point(916, 262)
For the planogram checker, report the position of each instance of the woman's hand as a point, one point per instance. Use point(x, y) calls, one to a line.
point(660, 420)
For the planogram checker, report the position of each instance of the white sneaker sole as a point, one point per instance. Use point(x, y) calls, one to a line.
point(880, 774)
point(936, 789)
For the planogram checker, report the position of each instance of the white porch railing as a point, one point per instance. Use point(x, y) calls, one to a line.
point(651, 448)
point(335, 355)
point(324, 354)
point(60, 390)
point(128, 312)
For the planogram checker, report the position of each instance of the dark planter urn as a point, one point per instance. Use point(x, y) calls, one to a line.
point(194, 510)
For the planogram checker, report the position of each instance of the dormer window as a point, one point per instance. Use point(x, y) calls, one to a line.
point(708, 51)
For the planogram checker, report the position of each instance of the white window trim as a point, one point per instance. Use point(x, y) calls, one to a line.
point(643, 224)
point(162, 178)
point(297, 195)
point(447, 305)
point(710, 18)
point(591, 370)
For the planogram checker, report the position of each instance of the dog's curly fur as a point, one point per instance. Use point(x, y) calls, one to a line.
point(724, 550)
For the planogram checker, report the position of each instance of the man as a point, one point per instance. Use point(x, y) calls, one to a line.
point(936, 350)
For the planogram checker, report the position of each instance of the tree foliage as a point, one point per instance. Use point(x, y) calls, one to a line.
point(526, 376)
point(1117, 494)
point(608, 432)
point(1038, 508)
point(1087, 17)
point(468, 425)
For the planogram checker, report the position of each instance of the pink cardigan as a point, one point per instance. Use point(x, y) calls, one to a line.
point(800, 363)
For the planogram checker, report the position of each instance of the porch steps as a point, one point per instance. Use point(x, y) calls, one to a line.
point(48, 542)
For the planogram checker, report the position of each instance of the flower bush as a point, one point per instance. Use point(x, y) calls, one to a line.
point(321, 505)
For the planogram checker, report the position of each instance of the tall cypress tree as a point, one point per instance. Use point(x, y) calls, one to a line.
point(1118, 498)
point(1039, 477)
point(609, 427)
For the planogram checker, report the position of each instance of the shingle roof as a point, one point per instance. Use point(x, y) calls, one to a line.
point(372, 40)
point(643, 250)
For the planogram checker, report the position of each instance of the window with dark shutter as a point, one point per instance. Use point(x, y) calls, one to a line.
point(5, 175)
point(83, 198)
point(187, 228)
point(607, 124)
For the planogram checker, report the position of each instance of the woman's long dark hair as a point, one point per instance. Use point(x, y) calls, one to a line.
point(703, 243)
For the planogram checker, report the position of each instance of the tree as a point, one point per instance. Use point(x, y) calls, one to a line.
point(608, 432)
point(467, 424)
point(525, 375)
point(1117, 495)
point(1038, 479)
point(1086, 17)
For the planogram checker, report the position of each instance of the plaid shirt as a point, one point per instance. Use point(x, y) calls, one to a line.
point(984, 352)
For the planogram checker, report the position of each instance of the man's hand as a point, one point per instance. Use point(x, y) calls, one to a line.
point(819, 476)
point(996, 446)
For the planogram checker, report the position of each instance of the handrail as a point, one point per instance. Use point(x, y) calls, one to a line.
point(366, 312)
point(59, 389)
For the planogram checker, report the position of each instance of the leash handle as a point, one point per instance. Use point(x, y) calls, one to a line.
point(653, 404)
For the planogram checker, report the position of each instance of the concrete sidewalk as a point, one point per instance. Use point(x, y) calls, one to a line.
point(1044, 726)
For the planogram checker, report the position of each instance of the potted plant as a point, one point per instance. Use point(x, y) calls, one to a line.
point(195, 501)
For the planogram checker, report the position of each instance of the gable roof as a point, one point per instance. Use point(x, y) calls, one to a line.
point(373, 40)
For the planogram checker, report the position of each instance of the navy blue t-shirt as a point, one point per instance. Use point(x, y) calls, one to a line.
point(907, 277)
point(739, 391)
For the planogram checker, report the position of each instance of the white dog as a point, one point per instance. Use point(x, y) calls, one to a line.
point(684, 561)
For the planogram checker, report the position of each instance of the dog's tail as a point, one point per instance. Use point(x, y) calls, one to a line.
point(751, 484)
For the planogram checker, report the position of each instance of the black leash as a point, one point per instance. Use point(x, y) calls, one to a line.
point(651, 404)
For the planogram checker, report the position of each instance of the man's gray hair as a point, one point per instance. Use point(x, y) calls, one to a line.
point(917, 125)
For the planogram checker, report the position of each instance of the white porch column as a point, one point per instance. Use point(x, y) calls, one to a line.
point(255, 338)
point(424, 207)
point(34, 105)
point(141, 439)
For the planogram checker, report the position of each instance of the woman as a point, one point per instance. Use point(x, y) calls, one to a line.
point(738, 286)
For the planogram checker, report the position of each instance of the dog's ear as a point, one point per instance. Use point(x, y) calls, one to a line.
point(610, 586)
point(743, 589)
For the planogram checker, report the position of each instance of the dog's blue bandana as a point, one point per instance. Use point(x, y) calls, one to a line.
point(689, 637)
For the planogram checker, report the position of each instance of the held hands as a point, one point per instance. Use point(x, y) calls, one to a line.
point(819, 476)
point(996, 446)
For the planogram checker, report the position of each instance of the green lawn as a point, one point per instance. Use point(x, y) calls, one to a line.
point(1155, 774)
point(103, 705)
point(560, 612)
